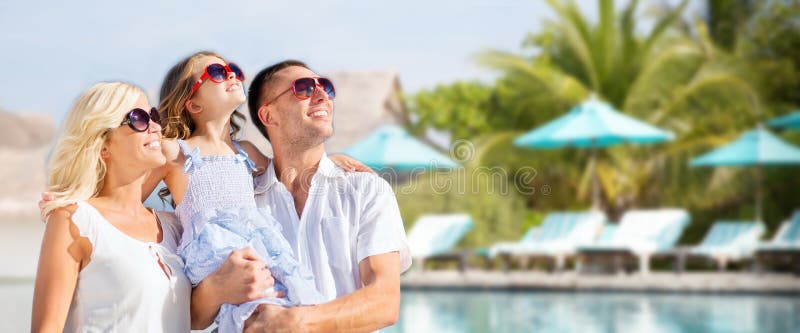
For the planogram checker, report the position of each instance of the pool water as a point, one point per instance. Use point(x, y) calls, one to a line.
point(496, 311)
point(484, 311)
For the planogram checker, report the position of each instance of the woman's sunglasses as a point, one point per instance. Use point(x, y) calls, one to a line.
point(139, 120)
point(304, 88)
point(218, 73)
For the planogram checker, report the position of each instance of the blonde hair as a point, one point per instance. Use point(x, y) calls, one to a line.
point(175, 90)
point(75, 170)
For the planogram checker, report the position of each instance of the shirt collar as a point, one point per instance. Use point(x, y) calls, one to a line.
point(326, 168)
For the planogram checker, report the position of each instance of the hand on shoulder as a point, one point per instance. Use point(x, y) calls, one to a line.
point(262, 161)
point(350, 164)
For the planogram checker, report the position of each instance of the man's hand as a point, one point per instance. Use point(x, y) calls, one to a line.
point(46, 197)
point(349, 164)
point(243, 277)
point(273, 318)
point(370, 308)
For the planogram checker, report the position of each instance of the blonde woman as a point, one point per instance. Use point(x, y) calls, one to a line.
point(108, 263)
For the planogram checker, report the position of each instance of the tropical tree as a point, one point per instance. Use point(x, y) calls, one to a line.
point(673, 77)
point(706, 83)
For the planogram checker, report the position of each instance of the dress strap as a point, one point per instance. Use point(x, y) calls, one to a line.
point(184, 146)
point(193, 160)
point(242, 156)
point(86, 219)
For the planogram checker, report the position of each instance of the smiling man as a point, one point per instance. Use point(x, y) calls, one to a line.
point(345, 226)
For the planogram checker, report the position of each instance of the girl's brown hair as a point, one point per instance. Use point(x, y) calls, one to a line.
point(175, 121)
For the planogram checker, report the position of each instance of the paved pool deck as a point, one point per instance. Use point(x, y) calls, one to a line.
point(700, 282)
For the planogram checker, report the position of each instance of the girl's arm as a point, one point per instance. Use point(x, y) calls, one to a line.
point(63, 254)
point(156, 175)
point(172, 151)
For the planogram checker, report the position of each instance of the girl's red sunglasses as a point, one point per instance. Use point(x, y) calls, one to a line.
point(218, 73)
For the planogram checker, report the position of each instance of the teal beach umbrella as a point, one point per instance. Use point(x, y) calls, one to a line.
point(753, 148)
point(392, 147)
point(592, 124)
point(789, 121)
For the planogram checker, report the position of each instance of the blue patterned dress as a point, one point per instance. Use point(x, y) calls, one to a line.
point(219, 215)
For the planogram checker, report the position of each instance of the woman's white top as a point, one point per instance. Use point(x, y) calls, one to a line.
point(129, 285)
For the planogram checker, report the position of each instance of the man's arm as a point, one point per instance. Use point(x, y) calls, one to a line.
point(367, 309)
point(242, 277)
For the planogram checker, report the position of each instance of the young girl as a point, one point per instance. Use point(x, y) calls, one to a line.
point(107, 263)
point(209, 177)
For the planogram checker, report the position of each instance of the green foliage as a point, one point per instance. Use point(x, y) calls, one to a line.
point(497, 212)
point(726, 19)
point(771, 44)
point(460, 107)
point(706, 87)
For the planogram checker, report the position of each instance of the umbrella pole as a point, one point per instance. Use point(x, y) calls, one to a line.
point(595, 181)
point(758, 194)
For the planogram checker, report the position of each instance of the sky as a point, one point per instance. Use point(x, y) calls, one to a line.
point(54, 50)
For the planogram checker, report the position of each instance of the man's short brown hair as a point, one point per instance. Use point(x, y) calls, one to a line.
point(262, 80)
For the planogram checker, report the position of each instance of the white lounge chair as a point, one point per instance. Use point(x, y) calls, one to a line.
point(433, 237)
point(730, 241)
point(784, 246)
point(640, 235)
point(555, 240)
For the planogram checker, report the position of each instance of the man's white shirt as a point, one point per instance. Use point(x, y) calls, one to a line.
point(347, 217)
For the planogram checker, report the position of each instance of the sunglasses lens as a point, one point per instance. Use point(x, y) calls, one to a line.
point(139, 120)
point(304, 88)
point(216, 72)
point(327, 86)
point(237, 71)
point(154, 116)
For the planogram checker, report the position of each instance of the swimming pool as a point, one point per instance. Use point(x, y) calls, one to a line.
point(528, 311)
point(503, 311)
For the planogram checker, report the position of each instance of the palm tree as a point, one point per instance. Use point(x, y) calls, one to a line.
point(673, 77)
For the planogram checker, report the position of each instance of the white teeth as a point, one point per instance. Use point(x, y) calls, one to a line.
point(153, 144)
point(319, 114)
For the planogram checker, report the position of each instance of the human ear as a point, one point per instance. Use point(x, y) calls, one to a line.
point(192, 107)
point(265, 116)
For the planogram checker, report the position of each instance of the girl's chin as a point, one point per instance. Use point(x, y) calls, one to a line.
point(238, 93)
point(235, 101)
